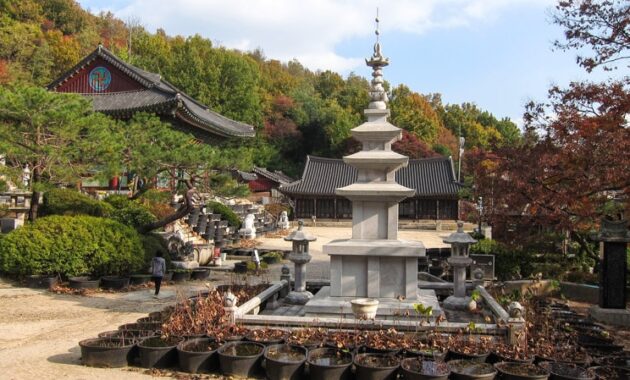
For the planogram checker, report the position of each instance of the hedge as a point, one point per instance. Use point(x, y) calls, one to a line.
point(71, 202)
point(70, 246)
point(226, 213)
point(129, 212)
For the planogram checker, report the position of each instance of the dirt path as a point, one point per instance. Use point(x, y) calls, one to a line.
point(40, 331)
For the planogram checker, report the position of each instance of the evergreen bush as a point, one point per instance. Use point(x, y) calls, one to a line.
point(226, 213)
point(129, 212)
point(70, 246)
point(72, 202)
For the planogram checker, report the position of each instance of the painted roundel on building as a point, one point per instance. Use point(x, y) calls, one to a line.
point(100, 78)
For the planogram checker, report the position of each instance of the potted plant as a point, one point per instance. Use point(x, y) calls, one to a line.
point(285, 361)
point(42, 281)
point(567, 371)
point(376, 366)
point(267, 336)
point(345, 340)
point(512, 353)
point(107, 352)
point(181, 275)
point(84, 282)
point(471, 370)
point(610, 372)
point(384, 341)
point(307, 337)
point(114, 282)
point(521, 371)
point(139, 279)
point(158, 352)
point(329, 364)
point(470, 347)
point(240, 359)
point(419, 368)
point(198, 354)
point(200, 274)
point(429, 347)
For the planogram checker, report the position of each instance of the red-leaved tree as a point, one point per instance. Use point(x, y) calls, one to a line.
point(574, 159)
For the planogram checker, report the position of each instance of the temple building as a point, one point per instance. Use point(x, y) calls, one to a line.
point(263, 182)
point(120, 89)
point(435, 198)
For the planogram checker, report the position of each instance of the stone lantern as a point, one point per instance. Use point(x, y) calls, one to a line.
point(299, 256)
point(460, 245)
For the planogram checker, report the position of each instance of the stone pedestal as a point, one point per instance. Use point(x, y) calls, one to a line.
point(459, 300)
point(299, 296)
point(374, 268)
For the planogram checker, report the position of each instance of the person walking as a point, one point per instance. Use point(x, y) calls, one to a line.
point(158, 268)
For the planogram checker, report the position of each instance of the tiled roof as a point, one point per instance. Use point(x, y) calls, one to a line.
point(276, 176)
point(159, 96)
point(430, 177)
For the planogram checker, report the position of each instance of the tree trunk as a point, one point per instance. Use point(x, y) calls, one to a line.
point(184, 210)
point(32, 213)
point(585, 246)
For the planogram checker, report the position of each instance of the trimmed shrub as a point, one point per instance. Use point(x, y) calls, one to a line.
point(226, 213)
point(129, 212)
point(71, 202)
point(70, 246)
point(152, 243)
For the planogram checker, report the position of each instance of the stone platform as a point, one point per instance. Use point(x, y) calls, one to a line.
point(323, 305)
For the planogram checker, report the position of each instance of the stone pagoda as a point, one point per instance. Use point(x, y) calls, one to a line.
point(374, 263)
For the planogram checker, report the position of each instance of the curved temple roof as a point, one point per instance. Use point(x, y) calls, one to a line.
point(157, 96)
point(430, 177)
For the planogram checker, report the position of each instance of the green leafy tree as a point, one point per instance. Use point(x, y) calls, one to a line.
point(56, 135)
point(151, 148)
point(412, 112)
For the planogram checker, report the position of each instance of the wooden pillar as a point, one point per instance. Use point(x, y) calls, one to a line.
point(315, 207)
point(335, 208)
point(437, 209)
point(415, 209)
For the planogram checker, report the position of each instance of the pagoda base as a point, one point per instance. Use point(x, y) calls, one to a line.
point(323, 305)
point(374, 268)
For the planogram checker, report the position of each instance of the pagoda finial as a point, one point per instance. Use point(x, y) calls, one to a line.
point(378, 96)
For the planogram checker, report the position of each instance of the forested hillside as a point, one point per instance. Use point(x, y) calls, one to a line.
point(296, 111)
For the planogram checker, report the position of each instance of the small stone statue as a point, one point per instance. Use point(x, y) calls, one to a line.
point(283, 222)
point(515, 309)
point(249, 230)
point(229, 300)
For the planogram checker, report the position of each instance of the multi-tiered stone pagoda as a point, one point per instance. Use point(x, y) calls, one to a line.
point(374, 263)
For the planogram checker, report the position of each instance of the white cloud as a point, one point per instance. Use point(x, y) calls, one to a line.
point(308, 30)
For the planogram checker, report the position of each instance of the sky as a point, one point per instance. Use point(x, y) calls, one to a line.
point(495, 53)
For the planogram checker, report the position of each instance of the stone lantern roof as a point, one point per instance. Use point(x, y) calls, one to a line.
point(299, 235)
point(459, 237)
